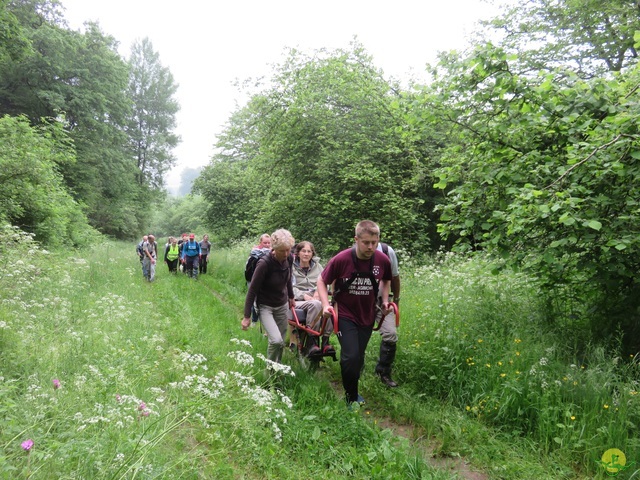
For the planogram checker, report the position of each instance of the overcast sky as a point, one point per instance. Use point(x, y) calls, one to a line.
point(207, 44)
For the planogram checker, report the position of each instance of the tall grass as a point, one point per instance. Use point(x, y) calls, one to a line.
point(111, 377)
point(486, 345)
point(105, 376)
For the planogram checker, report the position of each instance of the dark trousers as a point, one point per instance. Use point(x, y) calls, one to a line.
point(191, 265)
point(353, 342)
point(203, 264)
point(173, 265)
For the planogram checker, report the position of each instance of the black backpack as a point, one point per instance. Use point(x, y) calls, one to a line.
point(252, 262)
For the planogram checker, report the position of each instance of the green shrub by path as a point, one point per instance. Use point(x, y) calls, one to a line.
point(483, 343)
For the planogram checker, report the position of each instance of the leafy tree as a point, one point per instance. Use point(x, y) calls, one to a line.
point(32, 193)
point(13, 42)
point(78, 77)
point(151, 124)
point(322, 148)
point(542, 173)
point(178, 215)
point(586, 36)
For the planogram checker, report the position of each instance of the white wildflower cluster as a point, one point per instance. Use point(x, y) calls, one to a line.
point(241, 341)
point(243, 358)
point(111, 307)
point(202, 419)
point(191, 361)
point(124, 411)
point(160, 394)
point(277, 433)
point(96, 374)
point(42, 397)
point(277, 367)
point(199, 384)
point(225, 387)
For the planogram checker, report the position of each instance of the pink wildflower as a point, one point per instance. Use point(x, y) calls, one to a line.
point(142, 406)
point(118, 398)
point(56, 384)
point(26, 445)
point(145, 413)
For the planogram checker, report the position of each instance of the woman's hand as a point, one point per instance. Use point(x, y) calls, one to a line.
point(246, 321)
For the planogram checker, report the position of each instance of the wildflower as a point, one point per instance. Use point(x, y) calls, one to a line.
point(27, 445)
point(573, 417)
point(499, 364)
point(517, 340)
point(56, 384)
point(606, 407)
point(480, 340)
point(488, 365)
point(503, 375)
point(517, 354)
point(142, 406)
point(118, 398)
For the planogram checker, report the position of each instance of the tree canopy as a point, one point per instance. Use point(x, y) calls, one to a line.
point(320, 147)
point(49, 72)
point(524, 147)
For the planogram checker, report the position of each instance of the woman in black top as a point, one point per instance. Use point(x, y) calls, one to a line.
point(272, 290)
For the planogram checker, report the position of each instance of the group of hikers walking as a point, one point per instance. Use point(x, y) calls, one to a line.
point(186, 254)
point(359, 287)
point(362, 280)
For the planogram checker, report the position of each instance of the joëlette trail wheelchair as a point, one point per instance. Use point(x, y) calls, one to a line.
point(308, 338)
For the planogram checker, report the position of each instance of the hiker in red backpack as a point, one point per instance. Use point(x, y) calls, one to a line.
point(271, 286)
point(359, 273)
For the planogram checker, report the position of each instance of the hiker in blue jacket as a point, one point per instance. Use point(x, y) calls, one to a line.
point(190, 256)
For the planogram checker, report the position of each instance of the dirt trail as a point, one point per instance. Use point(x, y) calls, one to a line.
point(455, 465)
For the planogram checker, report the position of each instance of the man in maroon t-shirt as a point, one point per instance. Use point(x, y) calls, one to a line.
point(358, 272)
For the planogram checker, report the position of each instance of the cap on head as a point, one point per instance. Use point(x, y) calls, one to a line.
point(192, 236)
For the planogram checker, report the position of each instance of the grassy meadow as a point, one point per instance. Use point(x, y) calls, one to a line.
point(105, 376)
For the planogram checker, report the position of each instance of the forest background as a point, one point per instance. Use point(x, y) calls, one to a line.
point(523, 148)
